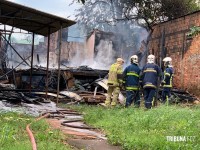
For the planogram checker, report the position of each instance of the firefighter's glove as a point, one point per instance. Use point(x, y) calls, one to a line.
point(162, 83)
point(122, 86)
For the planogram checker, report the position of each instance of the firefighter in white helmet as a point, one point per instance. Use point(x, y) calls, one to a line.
point(150, 74)
point(167, 79)
point(151, 59)
point(115, 81)
point(131, 79)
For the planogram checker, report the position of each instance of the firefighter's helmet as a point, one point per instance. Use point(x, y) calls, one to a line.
point(151, 59)
point(167, 62)
point(120, 60)
point(134, 59)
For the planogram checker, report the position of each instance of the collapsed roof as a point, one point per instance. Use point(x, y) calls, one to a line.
point(30, 19)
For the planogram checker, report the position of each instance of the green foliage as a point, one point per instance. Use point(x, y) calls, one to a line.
point(146, 13)
point(13, 130)
point(139, 129)
point(194, 31)
point(176, 8)
point(81, 1)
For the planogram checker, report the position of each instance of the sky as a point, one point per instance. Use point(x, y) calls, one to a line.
point(61, 8)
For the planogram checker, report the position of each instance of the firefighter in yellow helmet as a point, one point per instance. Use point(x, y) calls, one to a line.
point(115, 80)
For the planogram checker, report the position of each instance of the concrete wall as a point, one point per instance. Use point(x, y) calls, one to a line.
point(184, 51)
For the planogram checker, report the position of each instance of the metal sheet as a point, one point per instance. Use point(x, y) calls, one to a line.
point(104, 82)
point(71, 95)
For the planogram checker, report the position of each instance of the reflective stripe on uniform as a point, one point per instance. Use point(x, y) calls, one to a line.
point(150, 70)
point(168, 86)
point(149, 85)
point(132, 74)
point(131, 88)
point(167, 74)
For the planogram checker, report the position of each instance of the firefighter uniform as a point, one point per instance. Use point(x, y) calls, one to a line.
point(131, 79)
point(115, 80)
point(167, 84)
point(150, 74)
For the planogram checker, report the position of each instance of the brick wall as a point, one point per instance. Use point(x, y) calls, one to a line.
point(185, 52)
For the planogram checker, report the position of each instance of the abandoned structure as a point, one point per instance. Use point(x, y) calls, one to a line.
point(40, 64)
point(27, 20)
point(170, 39)
point(98, 50)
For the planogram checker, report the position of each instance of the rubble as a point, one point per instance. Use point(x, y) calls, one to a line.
point(79, 85)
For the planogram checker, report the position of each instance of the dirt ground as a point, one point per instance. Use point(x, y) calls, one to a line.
point(83, 139)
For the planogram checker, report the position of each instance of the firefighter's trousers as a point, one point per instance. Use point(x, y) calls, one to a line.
point(132, 96)
point(112, 90)
point(149, 94)
point(166, 94)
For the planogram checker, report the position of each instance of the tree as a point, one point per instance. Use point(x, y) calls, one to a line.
point(80, 1)
point(146, 13)
point(150, 12)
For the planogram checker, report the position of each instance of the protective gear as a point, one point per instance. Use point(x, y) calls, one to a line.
point(120, 60)
point(149, 76)
point(167, 80)
point(114, 82)
point(149, 94)
point(151, 59)
point(134, 59)
point(132, 96)
point(131, 77)
point(167, 62)
point(162, 83)
point(168, 77)
point(112, 91)
point(114, 73)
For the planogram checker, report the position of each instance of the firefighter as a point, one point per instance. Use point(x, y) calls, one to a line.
point(167, 79)
point(150, 74)
point(115, 81)
point(131, 82)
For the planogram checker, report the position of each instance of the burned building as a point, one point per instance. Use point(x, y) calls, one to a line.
point(105, 47)
point(40, 23)
point(44, 58)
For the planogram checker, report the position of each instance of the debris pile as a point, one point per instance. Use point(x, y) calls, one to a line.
point(79, 85)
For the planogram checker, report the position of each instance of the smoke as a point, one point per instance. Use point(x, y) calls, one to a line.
point(104, 56)
point(124, 41)
point(77, 59)
point(101, 60)
point(126, 35)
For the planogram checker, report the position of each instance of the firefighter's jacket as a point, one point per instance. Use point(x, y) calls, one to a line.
point(131, 77)
point(115, 77)
point(150, 75)
point(168, 76)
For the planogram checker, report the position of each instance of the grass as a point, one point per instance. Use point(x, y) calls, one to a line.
point(155, 129)
point(13, 135)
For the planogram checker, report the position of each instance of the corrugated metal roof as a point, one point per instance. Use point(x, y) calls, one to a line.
point(30, 19)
